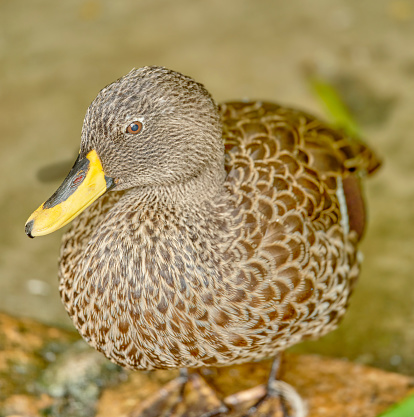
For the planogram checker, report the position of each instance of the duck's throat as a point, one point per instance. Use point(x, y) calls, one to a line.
point(203, 186)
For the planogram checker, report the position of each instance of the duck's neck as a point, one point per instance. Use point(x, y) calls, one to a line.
point(206, 186)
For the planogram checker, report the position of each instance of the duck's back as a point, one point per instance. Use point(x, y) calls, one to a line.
point(271, 149)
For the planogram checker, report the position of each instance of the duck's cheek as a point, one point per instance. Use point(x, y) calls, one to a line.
point(85, 183)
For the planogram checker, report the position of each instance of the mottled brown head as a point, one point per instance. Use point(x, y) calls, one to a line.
point(154, 129)
point(180, 135)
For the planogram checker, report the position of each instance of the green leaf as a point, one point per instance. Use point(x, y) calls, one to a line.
point(405, 408)
point(333, 105)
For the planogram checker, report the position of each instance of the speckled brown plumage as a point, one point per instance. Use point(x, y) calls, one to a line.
point(204, 258)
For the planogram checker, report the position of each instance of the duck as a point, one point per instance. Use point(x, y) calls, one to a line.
point(204, 234)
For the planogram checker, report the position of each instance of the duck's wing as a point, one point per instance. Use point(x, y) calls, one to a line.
point(284, 154)
point(299, 213)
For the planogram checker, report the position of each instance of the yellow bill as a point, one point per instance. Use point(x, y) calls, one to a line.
point(85, 183)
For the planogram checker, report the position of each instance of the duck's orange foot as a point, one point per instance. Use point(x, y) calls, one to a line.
point(277, 399)
point(185, 396)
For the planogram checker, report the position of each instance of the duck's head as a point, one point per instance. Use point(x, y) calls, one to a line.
point(151, 128)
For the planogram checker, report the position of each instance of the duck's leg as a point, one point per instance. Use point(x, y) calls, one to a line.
point(188, 394)
point(276, 399)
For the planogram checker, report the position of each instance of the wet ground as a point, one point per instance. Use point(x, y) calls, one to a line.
point(55, 57)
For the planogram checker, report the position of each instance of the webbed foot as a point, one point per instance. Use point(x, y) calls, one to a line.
point(275, 399)
point(185, 396)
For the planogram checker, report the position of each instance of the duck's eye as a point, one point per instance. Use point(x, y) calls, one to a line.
point(134, 127)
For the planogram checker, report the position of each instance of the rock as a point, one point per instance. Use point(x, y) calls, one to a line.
point(49, 371)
